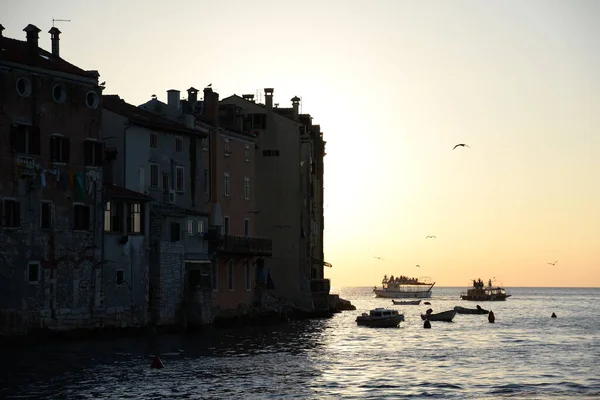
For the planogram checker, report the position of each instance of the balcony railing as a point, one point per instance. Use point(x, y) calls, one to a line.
point(252, 246)
point(320, 285)
point(26, 166)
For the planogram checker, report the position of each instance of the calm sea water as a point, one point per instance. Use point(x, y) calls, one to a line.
point(525, 354)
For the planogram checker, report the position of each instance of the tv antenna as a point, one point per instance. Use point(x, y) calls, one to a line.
point(59, 20)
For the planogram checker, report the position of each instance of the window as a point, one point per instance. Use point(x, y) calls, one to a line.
point(175, 232)
point(33, 272)
point(226, 226)
point(59, 148)
point(190, 227)
point(113, 217)
point(205, 144)
point(227, 147)
point(230, 267)
point(25, 139)
point(93, 153)
point(259, 121)
point(179, 178)
point(226, 184)
point(178, 144)
point(271, 153)
point(46, 215)
point(11, 216)
point(134, 222)
point(92, 100)
point(23, 87)
point(81, 217)
point(154, 176)
point(119, 279)
point(153, 140)
point(247, 153)
point(215, 277)
point(166, 182)
point(246, 227)
point(200, 227)
point(194, 278)
point(246, 188)
point(206, 181)
point(248, 276)
point(59, 94)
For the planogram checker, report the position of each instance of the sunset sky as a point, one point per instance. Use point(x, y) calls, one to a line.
point(394, 85)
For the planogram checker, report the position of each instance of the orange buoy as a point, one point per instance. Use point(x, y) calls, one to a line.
point(156, 363)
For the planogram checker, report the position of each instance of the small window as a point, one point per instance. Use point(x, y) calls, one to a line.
point(179, 186)
point(59, 94)
point(246, 227)
point(178, 144)
point(11, 216)
point(81, 217)
point(25, 139)
point(206, 181)
point(230, 268)
point(190, 227)
point(215, 277)
point(175, 232)
point(247, 153)
point(154, 176)
point(246, 188)
point(135, 218)
point(93, 152)
point(23, 87)
point(226, 184)
point(200, 227)
point(33, 272)
point(119, 279)
point(92, 100)
point(113, 217)
point(226, 225)
point(259, 121)
point(60, 147)
point(271, 153)
point(248, 276)
point(205, 144)
point(227, 147)
point(46, 215)
point(154, 140)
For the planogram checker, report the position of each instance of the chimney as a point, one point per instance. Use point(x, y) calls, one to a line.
point(269, 98)
point(295, 106)
point(54, 32)
point(249, 97)
point(192, 96)
point(32, 37)
point(173, 99)
point(210, 110)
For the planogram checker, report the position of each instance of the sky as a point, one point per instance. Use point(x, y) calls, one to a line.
point(394, 85)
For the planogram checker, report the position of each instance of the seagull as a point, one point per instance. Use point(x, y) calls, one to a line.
point(461, 144)
point(427, 237)
point(379, 258)
point(418, 266)
point(209, 85)
point(554, 263)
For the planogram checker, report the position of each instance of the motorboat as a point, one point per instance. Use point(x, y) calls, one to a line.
point(464, 310)
point(407, 302)
point(480, 292)
point(380, 318)
point(446, 316)
point(403, 287)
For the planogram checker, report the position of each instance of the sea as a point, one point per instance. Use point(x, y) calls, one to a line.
point(524, 354)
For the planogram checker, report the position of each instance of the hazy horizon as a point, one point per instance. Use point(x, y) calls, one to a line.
point(394, 85)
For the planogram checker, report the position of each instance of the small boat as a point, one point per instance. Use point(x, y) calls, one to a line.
point(407, 303)
point(380, 318)
point(446, 316)
point(403, 287)
point(480, 292)
point(464, 310)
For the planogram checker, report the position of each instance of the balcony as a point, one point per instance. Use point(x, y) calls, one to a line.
point(321, 286)
point(250, 246)
point(26, 166)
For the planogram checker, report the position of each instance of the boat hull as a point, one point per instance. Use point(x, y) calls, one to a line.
point(446, 316)
point(484, 297)
point(392, 294)
point(407, 303)
point(463, 310)
point(391, 322)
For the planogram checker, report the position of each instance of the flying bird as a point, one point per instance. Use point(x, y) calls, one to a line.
point(427, 237)
point(462, 145)
point(379, 258)
point(554, 263)
point(418, 266)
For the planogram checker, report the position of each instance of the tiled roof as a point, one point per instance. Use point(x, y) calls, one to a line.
point(118, 191)
point(141, 117)
point(17, 51)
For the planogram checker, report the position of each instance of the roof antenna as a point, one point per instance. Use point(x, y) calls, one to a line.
point(59, 20)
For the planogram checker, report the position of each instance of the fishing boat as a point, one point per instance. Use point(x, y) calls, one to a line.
point(404, 288)
point(445, 316)
point(380, 318)
point(480, 292)
point(464, 310)
point(407, 302)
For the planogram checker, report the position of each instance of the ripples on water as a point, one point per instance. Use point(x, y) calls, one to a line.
point(525, 354)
